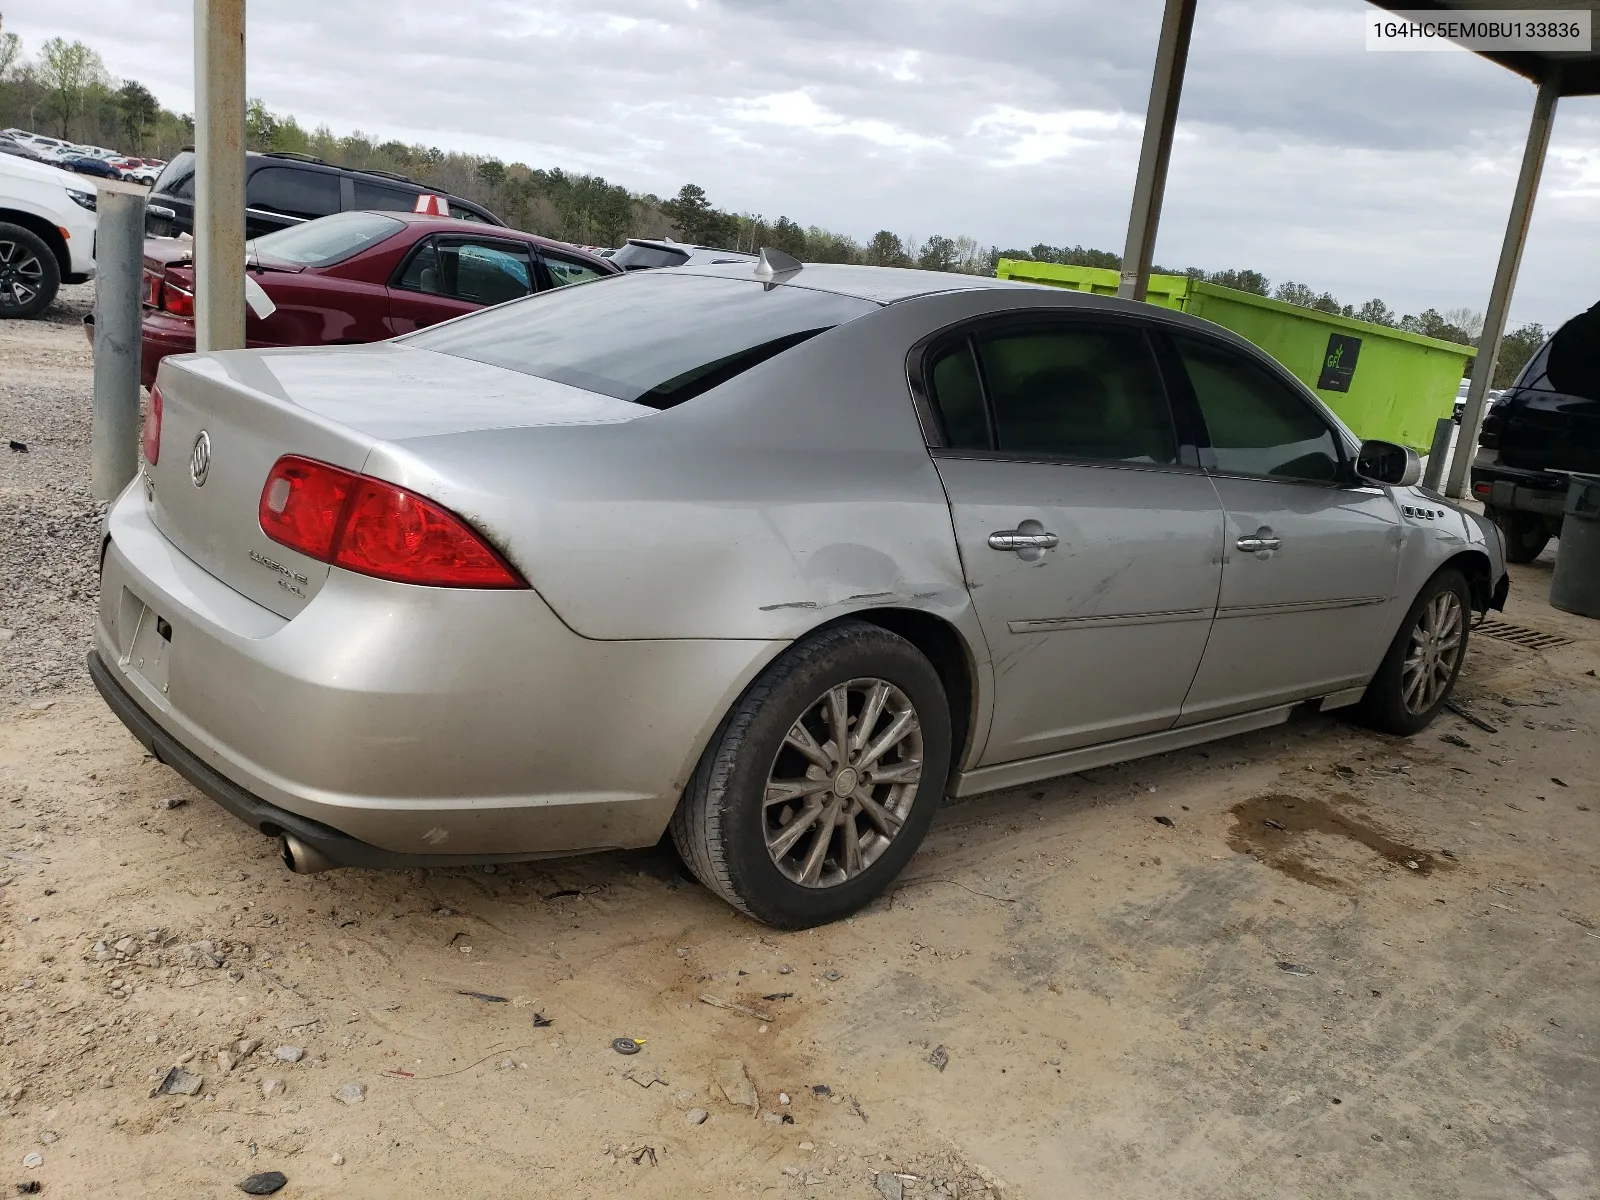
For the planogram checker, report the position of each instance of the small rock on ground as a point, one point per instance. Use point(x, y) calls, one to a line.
point(697, 1116)
point(352, 1093)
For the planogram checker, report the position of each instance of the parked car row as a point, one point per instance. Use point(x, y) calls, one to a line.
point(359, 277)
point(86, 160)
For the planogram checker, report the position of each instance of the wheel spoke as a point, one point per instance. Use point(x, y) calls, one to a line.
point(794, 831)
point(888, 824)
point(870, 712)
point(780, 791)
point(812, 874)
point(839, 711)
point(902, 772)
point(903, 723)
point(800, 738)
point(851, 837)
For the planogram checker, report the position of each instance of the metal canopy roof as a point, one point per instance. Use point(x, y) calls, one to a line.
point(1575, 72)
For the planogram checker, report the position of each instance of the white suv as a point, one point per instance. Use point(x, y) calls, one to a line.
point(47, 225)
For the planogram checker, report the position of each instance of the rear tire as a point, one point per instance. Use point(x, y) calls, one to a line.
point(1526, 533)
point(30, 276)
point(1419, 671)
point(786, 859)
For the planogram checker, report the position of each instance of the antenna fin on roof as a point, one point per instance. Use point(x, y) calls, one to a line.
point(775, 262)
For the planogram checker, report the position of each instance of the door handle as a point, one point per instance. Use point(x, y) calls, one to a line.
point(1260, 542)
point(1015, 539)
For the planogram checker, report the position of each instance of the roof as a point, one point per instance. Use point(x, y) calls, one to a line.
point(882, 285)
point(1576, 73)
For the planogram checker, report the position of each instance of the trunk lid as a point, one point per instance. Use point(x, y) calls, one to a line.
point(333, 404)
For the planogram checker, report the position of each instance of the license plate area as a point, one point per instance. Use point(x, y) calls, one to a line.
point(150, 648)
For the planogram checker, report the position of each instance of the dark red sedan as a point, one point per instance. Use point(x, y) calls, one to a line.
point(363, 277)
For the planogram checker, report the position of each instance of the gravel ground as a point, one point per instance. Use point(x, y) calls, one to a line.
point(51, 522)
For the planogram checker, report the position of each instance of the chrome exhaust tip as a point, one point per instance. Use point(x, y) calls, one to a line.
point(303, 859)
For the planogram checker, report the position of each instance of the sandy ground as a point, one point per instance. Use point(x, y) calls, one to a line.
point(1391, 995)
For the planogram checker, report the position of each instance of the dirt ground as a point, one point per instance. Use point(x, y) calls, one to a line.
point(1309, 961)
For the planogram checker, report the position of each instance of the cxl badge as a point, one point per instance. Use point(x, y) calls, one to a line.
point(200, 459)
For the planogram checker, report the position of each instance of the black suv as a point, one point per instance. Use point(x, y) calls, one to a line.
point(1545, 423)
point(286, 189)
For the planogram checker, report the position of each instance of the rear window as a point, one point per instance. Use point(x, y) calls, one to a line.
point(634, 257)
point(655, 340)
point(328, 241)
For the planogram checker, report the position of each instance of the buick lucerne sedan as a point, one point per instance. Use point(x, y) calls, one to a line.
point(773, 557)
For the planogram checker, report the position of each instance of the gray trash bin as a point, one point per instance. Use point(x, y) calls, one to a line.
point(1575, 586)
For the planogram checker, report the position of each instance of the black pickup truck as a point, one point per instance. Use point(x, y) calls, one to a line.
point(1545, 423)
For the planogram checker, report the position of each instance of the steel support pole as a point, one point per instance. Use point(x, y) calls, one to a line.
point(1505, 280)
point(219, 108)
point(1172, 56)
point(119, 269)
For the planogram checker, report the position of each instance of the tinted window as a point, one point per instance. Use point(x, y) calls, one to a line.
point(474, 271)
point(384, 199)
point(655, 339)
point(1257, 425)
point(634, 257)
point(958, 396)
point(1077, 392)
point(566, 270)
point(177, 177)
point(330, 240)
point(293, 192)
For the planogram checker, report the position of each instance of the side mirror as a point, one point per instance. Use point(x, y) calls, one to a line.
point(1387, 463)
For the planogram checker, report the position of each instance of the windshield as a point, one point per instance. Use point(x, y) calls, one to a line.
point(656, 340)
point(179, 169)
point(634, 257)
point(328, 240)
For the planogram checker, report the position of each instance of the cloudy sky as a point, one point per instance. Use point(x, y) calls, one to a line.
point(1299, 154)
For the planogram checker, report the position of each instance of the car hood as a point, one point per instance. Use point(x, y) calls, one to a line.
point(393, 392)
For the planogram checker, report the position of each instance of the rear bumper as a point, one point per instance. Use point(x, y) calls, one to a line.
point(339, 848)
point(387, 724)
point(1513, 490)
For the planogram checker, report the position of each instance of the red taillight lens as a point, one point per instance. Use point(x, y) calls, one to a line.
point(152, 289)
point(375, 528)
point(152, 428)
point(302, 504)
point(176, 300)
point(1482, 489)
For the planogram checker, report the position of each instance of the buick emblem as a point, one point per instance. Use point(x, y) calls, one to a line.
point(200, 459)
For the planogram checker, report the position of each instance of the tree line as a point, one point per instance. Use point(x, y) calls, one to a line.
point(65, 90)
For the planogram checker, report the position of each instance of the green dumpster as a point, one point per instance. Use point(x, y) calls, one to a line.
point(1382, 382)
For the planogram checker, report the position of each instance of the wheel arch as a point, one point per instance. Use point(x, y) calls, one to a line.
point(1475, 565)
point(46, 230)
point(941, 644)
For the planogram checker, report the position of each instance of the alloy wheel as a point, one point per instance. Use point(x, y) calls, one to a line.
point(1436, 641)
point(843, 782)
point(21, 275)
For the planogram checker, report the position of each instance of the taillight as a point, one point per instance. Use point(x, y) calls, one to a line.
point(152, 428)
point(152, 289)
point(1494, 424)
point(375, 528)
point(176, 300)
point(1483, 489)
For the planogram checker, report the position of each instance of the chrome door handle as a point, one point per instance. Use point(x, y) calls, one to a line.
point(1016, 539)
point(1255, 543)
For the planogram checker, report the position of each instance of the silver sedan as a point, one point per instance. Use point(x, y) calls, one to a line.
point(774, 557)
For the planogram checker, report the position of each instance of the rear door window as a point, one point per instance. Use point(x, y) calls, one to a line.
point(467, 269)
point(653, 339)
point(1084, 392)
point(293, 193)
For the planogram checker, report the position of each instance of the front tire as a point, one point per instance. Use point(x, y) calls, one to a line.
point(29, 273)
point(1526, 533)
point(1419, 671)
point(820, 784)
